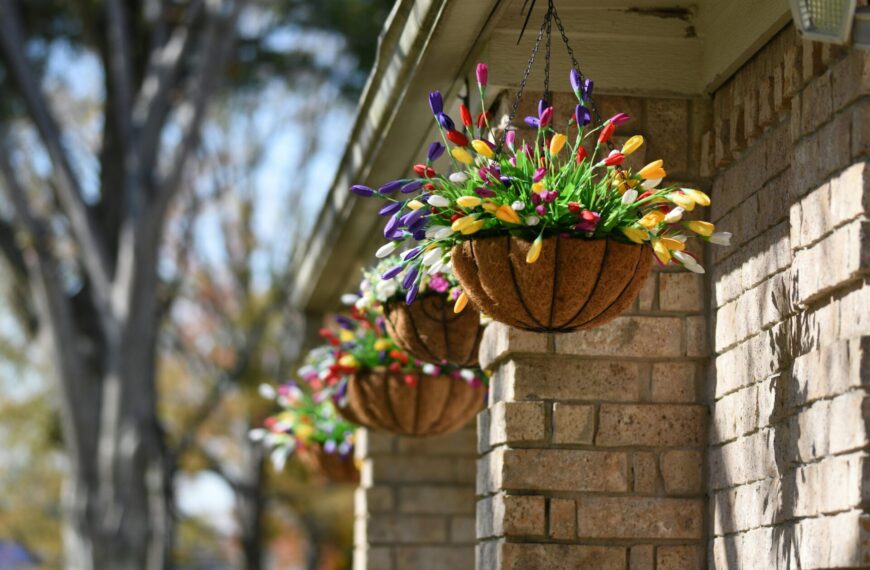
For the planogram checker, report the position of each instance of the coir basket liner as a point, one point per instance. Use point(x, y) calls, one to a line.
point(383, 401)
point(332, 466)
point(430, 330)
point(575, 283)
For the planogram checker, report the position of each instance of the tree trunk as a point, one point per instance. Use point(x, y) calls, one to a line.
point(251, 503)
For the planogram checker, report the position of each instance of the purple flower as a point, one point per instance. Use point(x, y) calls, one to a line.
point(582, 115)
point(445, 121)
point(439, 284)
point(394, 235)
point(588, 221)
point(392, 272)
point(329, 446)
point(361, 190)
point(411, 217)
point(419, 235)
point(541, 209)
point(436, 102)
point(507, 181)
point(533, 122)
point(391, 187)
point(484, 192)
point(542, 106)
point(536, 198)
point(392, 226)
point(418, 225)
point(436, 149)
point(410, 277)
point(410, 253)
point(587, 89)
point(620, 119)
point(390, 208)
point(412, 294)
point(509, 139)
point(412, 186)
point(539, 174)
point(345, 322)
point(576, 82)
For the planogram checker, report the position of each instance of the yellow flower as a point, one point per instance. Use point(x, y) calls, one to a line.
point(303, 431)
point(461, 301)
point(652, 219)
point(653, 170)
point(673, 244)
point(636, 235)
point(348, 361)
point(661, 251)
point(535, 250)
point(462, 155)
point(682, 200)
point(489, 206)
point(482, 148)
point(383, 344)
point(506, 214)
point(557, 143)
point(415, 204)
point(472, 227)
point(705, 229)
point(538, 187)
point(463, 222)
point(345, 335)
point(697, 196)
point(632, 145)
point(468, 201)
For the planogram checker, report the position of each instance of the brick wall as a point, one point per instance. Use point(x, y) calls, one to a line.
point(593, 443)
point(415, 504)
point(788, 436)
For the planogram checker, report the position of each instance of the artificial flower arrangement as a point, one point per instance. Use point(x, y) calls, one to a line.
point(428, 329)
point(555, 193)
point(377, 385)
point(309, 426)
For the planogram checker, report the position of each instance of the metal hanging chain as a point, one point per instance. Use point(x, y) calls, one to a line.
point(519, 95)
point(548, 19)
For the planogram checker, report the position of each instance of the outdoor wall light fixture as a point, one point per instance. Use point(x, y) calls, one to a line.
point(833, 21)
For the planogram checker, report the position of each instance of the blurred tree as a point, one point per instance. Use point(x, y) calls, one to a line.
point(89, 188)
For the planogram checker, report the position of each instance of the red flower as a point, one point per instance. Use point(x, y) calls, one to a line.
point(423, 171)
point(457, 138)
point(410, 379)
point(606, 133)
point(465, 115)
point(581, 154)
point(483, 119)
point(455, 217)
point(646, 194)
point(574, 207)
point(614, 158)
point(429, 186)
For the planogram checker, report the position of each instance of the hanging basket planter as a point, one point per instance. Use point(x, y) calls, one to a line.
point(430, 330)
point(575, 283)
point(545, 224)
point(383, 400)
point(333, 466)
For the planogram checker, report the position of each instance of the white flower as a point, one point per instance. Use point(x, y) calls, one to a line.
point(386, 289)
point(432, 230)
point(458, 178)
point(518, 206)
point(267, 391)
point(630, 196)
point(279, 457)
point(532, 220)
point(721, 238)
point(386, 249)
point(443, 233)
point(438, 201)
point(429, 369)
point(436, 267)
point(651, 183)
point(466, 374)
point(349, 299)
point(674, 215)
point(431, 256)
point(688, 262)
point(257, 434)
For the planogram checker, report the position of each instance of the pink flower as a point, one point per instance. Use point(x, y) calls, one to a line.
point(438, 283)
point(588, 221)
point(482, 74)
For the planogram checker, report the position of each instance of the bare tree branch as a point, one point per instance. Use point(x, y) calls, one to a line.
point(93, 252)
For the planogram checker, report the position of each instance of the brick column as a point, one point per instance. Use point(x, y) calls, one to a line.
point(415, 504)
point(592, 445)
